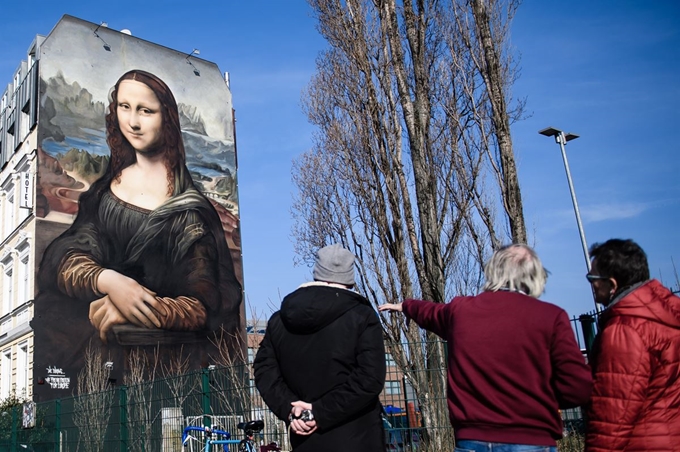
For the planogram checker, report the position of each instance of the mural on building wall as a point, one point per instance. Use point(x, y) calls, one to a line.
point(137, 167)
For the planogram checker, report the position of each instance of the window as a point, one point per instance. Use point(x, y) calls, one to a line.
point(9, 210)
point(389, 360)
point(6, 373)
point(22, 370)
point(24, 122)
point(21, 316)
point(22, 281)
point(7, 287)
point(392, 387)
point(251, 355)
point(6, 325)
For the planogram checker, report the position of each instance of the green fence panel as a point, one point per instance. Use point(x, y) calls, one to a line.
point(149, 416)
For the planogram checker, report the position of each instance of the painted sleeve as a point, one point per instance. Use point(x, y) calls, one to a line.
point(200, 276)
point(72, 263)
point(364, 384)
point(572, 379)
point(269, 380)
point(77, 276)
point(181, 314)
point(195, 277)
point(621, 379)
point(429, 315)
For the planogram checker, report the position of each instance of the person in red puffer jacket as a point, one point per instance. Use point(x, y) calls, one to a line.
point(635, 404)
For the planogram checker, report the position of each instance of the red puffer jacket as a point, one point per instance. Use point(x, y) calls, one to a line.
point(636, 365)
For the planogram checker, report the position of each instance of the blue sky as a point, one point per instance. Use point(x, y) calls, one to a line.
point(608, 71)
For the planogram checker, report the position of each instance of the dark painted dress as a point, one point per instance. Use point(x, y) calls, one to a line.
point(177, 250)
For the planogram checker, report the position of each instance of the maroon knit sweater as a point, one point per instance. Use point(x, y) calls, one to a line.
point(512, 363)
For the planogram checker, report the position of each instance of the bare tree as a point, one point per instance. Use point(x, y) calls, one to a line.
point(94, 398)
point(486, 45)
point(412, 166)
point(232, 381)
point(140, 380)
point(177, 376)
point(236, 391)
point(175, 370)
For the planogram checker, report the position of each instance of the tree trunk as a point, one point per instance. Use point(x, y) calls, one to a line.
point(405, 168)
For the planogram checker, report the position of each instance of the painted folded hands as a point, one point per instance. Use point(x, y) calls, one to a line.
point(177, 314)
point(125, 301)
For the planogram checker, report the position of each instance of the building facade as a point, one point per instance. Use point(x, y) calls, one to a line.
point(18, 144)
point(54, 143)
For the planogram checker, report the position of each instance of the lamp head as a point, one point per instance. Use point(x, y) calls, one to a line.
point(560, 136)
point(550, 131)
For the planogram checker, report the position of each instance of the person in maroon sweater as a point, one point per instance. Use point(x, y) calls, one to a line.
point(513, 361)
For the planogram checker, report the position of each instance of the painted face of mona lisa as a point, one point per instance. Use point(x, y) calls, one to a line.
point(139, 115)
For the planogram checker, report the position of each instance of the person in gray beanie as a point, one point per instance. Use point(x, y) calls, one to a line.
point(334, 264)
point(321, 363)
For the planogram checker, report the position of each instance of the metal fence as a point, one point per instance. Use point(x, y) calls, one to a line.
point(150, 417)
point(145, 417)
point(585, 329)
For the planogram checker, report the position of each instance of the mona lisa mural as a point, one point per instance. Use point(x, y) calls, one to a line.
point(137, 206)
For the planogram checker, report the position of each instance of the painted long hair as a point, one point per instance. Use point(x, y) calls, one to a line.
point(170, 146)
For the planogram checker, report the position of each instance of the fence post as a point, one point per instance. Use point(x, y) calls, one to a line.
point(57, 425)
point(15, 422)
point(588, 328)
point(205, 384)
point(403, 383)
point(123, 419)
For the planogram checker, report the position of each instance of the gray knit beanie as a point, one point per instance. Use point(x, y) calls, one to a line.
point(334, 264)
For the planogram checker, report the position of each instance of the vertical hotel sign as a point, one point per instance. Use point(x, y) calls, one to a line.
point(26, 200)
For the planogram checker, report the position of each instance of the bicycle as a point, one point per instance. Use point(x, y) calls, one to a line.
point(247, 444)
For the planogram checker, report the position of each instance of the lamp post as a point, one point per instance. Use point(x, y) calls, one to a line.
point(562, 138)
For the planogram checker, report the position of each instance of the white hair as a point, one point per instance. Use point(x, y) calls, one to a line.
point(517, 268)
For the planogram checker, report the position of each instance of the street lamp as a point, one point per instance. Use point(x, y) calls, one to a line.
point(562, 138)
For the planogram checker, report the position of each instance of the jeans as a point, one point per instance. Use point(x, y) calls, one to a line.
point(467, 445)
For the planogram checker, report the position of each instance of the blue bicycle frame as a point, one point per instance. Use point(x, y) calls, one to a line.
point(210, 431)
point(225, 442)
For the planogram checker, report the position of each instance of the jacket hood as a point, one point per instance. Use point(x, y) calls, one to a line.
point(650, 301)
point(315, 305)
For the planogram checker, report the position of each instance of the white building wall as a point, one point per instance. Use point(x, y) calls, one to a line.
point(18, 144)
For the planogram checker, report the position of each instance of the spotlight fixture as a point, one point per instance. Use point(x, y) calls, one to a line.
point(197, 73)
point(107, 47)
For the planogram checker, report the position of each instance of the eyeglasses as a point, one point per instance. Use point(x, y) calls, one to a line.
point(592, 278)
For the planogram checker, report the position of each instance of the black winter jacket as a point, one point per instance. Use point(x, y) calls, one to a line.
point(325, 347)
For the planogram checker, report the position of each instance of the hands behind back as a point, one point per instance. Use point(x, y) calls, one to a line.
point(298, 425)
